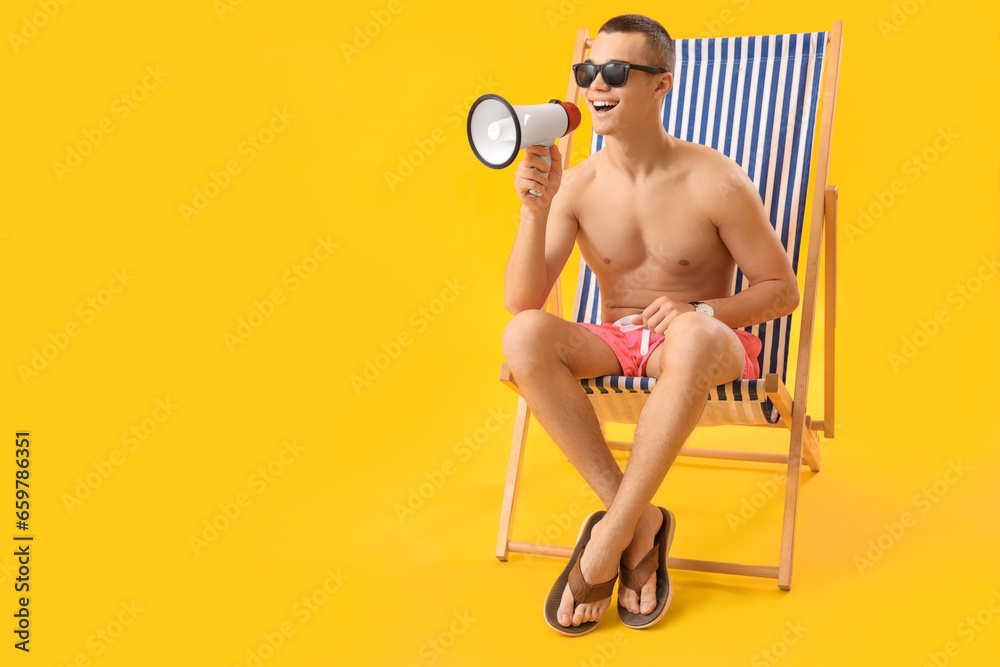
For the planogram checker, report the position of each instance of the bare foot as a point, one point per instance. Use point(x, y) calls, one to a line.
point(642, 541)
point(598, 563)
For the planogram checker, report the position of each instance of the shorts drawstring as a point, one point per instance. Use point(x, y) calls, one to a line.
point(625, 325)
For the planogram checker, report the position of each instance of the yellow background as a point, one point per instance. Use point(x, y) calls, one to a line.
point(404, 583)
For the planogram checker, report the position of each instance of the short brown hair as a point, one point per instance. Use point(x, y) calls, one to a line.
point(659, 45)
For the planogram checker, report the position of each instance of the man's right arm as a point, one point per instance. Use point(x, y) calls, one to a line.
point(545, 235)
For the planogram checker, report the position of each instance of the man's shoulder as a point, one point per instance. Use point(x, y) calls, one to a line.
point(708, 158)
point(715, 171)
point(582, 173)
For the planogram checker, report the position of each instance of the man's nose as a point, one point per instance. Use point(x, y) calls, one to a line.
point(602, 85)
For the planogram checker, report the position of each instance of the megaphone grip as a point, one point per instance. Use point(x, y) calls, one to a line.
point(548, 161)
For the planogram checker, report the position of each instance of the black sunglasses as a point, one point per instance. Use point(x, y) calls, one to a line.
point(615, 73)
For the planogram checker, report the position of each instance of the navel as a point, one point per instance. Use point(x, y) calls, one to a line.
point(684, 262)
point(607, 260)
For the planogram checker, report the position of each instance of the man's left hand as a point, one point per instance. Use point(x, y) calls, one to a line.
point(659, 314)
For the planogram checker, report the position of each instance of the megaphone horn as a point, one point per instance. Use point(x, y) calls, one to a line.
point(499, 130)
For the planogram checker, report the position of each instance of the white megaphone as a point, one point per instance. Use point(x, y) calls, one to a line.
point(498, 130)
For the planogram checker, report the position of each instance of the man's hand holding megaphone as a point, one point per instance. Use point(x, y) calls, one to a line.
point(538, 175)
point(498, 130)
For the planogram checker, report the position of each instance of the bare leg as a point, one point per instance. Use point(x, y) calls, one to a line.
point(547, 356)
point(697, 354)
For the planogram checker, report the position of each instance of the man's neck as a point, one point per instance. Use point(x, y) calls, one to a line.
point(638, 153)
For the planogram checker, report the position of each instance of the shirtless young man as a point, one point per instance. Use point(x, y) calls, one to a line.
point(663, 223)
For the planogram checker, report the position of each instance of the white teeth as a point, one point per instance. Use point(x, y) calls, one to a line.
point(604, 104)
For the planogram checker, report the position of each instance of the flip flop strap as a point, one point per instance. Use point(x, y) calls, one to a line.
point(583, 591)
point(633, 578)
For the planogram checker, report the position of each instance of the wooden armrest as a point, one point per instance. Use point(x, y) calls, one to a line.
point(778, 393)
point(507, 378)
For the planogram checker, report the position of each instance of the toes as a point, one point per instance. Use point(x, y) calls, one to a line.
point(628, 599)
point(564, 615)
point(649, 595)
point(582, 614)
point(586, 613)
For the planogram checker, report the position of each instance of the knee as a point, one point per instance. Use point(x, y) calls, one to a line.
point(693, 328)
point(524, 335)
point(696, 342)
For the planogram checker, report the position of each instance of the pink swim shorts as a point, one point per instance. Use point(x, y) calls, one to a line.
point(633, 344)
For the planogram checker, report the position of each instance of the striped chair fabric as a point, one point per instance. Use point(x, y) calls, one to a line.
point(755, 100)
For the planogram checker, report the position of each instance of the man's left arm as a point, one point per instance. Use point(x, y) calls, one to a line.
point(743, 226)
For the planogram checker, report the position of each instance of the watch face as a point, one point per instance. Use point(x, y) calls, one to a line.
point(705, 309)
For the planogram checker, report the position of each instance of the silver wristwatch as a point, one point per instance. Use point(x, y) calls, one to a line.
point(703, 308)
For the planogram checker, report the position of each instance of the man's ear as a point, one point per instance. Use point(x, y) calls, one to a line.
point(663, 85)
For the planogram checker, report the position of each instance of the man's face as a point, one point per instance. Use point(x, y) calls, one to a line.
point(613, 109)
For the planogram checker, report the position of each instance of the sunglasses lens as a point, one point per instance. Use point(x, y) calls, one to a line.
point(614, 74)
point(585, 74)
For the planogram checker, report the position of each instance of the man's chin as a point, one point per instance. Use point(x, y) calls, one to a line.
point(603, 130)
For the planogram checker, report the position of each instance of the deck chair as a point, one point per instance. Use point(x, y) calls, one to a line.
point(756, 99)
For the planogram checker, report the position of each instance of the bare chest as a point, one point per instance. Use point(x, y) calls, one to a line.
point(661, 233)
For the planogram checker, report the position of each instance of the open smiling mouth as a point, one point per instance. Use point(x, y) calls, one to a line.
point(603, 107)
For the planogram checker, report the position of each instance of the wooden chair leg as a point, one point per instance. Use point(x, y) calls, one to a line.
point(791, 501)
point(810, 446)
point(830, 297)
point(521, 420)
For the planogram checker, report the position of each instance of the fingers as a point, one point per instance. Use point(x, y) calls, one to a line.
point(533, 158)
point(556, 160)
point(534, 174)
point(658, 315)
point(530, 179)
point(650, 316)
point(658, 322)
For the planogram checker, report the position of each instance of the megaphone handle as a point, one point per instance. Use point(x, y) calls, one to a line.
point(548, 161)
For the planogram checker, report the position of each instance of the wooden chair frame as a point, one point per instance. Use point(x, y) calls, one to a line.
point(803, 440)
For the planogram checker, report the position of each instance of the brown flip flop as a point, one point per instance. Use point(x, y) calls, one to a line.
point(654, 561)
point(583, 591)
